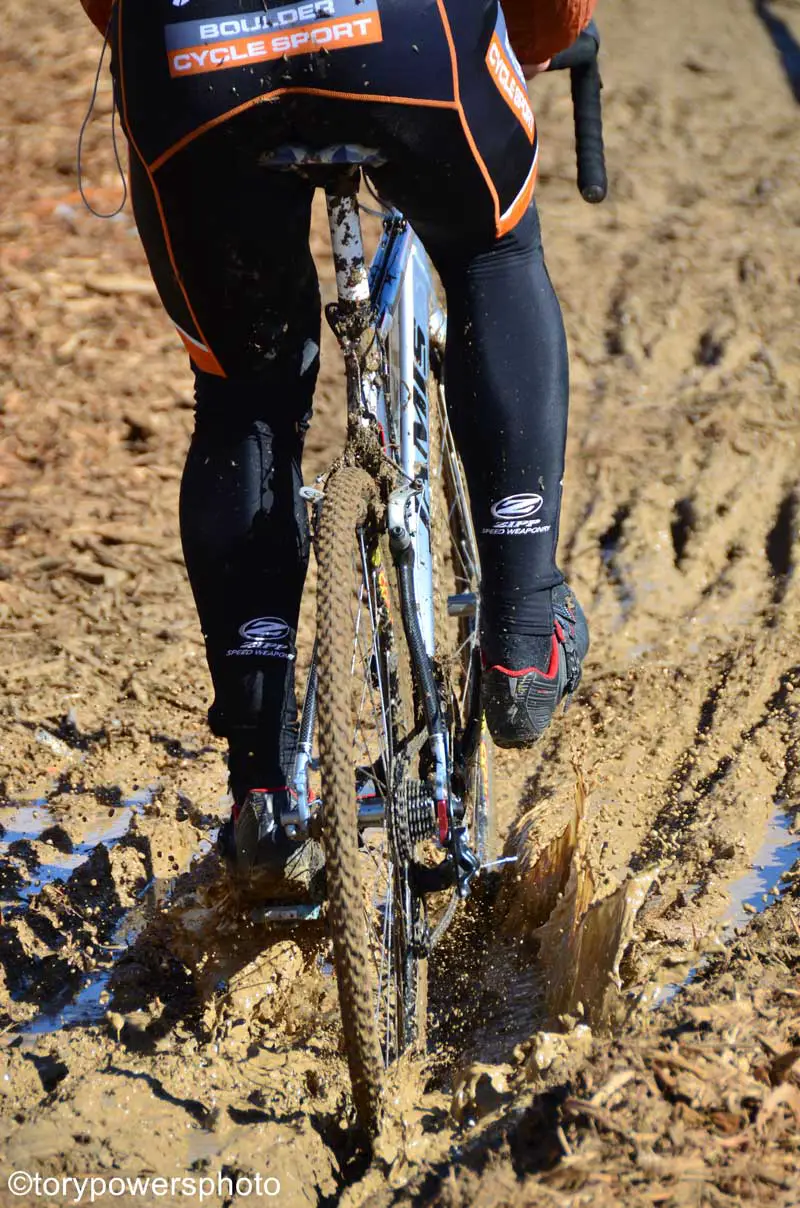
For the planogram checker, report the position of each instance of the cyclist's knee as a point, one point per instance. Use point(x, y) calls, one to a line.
point(526, 236)
point(281, 395)
point(457, 261)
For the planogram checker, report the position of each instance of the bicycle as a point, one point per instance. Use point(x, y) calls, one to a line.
point(405, 765)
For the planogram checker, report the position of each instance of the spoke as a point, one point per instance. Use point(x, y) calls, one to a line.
point(384, 736)
point(466, 687)
point(359, 727)
point(455, 504)
point(389, 729)
point(461, 498)
point(383, 901)
point(470, 640)
point(447, 442)
point(383, 693)
point(442, 454)
point(377, 716)
point(447, 450)
point(357, 629)
point(366, 579)
point(469, 576)
point(373, 658)
point(383, 963)
point(375, 857)
point(389, 949)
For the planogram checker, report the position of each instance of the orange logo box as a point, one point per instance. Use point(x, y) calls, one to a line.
point(508, 82)
point(336, 34)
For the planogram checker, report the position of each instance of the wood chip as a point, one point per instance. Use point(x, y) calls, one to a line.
point(614, 1084)
point(119, 283)
point(783, 1095)
point(123, 534)
point(784, 1065)
point(603, 1119)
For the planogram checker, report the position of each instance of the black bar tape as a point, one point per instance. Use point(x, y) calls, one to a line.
point(587, 106)
point(580, 60)
point(581, 52)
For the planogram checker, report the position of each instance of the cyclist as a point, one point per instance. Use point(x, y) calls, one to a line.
point(204, 89)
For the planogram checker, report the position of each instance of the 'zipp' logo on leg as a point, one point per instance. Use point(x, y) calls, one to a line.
point(266, 636)
point(265, 629)
point(517, 516)
point(517, 507)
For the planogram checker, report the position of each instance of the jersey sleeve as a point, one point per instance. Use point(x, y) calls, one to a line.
point(538, 29)
point(98, 12)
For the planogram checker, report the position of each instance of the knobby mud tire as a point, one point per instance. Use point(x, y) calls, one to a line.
point(345, 507)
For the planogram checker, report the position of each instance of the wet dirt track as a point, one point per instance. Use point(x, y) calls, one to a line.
point(208, 1048)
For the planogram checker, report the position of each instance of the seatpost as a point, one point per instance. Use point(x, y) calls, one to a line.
point(351, 315)
point(352, 278)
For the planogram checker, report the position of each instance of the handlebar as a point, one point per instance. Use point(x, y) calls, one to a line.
point(580, 60)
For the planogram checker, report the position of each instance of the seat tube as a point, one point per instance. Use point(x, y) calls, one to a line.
point(413, 318)
point(352, 278)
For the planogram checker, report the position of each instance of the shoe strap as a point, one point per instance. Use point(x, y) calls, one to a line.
point(565, 624)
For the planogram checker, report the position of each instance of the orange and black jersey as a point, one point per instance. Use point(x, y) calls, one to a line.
point(215, 86)
point(433, 85)
point(538, 28)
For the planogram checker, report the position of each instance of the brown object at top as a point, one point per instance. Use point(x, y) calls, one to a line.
point(539, 29)
point(98, 12)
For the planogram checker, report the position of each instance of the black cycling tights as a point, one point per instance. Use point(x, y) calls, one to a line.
point(244, 527)
point(432, 86)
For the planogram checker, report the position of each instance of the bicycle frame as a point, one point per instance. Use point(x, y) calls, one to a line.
point(430, 766)
point(388, 320)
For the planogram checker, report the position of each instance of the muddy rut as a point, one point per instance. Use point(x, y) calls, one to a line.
point(616, 1038)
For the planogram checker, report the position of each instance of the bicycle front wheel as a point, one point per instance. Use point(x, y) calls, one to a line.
point(365, 708)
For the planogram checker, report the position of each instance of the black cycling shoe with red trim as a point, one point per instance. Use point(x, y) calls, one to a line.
point(258, 853)
point(520, 698)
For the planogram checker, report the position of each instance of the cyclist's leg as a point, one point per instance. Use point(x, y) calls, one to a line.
point(227, 243)
point(507, 365)
point(507, 361)
point(508, 386)
point(228, 246)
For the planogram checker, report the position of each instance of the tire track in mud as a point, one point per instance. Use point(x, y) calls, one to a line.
point(680, 532)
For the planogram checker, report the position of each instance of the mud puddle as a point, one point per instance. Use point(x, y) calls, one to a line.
point(31, 829)
point(751, 894)
point(48, 851)
point(91, 1004)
